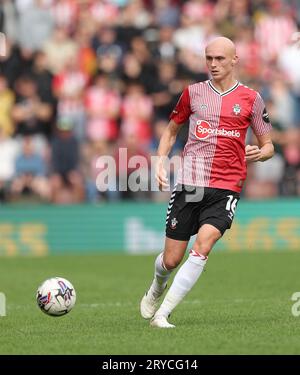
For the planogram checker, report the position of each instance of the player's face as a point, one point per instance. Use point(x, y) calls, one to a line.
point(219, 63)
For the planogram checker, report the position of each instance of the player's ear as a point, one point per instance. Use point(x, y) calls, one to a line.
point(235, 60)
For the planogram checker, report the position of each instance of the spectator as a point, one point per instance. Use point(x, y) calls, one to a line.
point(32, 116)
point(65, 13)
point(249, 52)
point(30, 173)
point(36, 25)
point(165, 48)
point(86, 55)
point(69, 87)
point(10, 21)
point(6, 104)
point(137, 110)
point(66, 181)
point(98, 188)
point(164, 93)
point(12, 64)
point(274, 29)
point(291, 152)
point(132, 69)
point(166, 14)
point(111, 71)
point(8, 153)
point(102, 104)
point(43, 77)
point(59, 48)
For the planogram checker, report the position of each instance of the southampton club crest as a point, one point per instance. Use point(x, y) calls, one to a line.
point(174, 222)
point(236, 109)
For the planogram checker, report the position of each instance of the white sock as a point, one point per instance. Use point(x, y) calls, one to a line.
point(161, 276)
point(184, 280)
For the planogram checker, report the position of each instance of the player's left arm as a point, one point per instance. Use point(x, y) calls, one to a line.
point(262, 152)
point(262, 129)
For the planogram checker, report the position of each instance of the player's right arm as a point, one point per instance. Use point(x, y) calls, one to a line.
point(179, 115)
point(165, 145)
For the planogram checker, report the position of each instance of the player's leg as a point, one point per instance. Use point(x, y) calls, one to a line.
point(207, 236)
point(188, 274)
point(164, 265)
point(179, 221)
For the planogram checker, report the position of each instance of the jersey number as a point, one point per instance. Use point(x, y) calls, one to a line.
point(231, 203)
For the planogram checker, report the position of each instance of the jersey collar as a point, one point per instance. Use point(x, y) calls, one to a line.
point(225, 92)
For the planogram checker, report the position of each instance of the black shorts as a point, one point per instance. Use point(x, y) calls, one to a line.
point(190, 207)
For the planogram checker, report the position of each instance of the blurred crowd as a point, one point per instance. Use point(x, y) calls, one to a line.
point(82, 78)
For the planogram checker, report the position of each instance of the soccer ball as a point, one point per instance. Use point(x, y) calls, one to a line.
point(56, 296)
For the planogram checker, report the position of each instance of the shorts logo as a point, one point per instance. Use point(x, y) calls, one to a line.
point(174, 222)
point(203, 130)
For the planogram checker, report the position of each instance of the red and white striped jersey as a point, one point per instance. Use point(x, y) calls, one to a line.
point(214, 155)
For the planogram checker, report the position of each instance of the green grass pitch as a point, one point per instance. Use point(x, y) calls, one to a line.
point(240, 305)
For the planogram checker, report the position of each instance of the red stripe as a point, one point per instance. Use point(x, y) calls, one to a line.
point(196, 254)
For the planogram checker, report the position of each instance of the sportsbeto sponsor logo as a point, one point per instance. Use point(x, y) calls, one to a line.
point(203, 130)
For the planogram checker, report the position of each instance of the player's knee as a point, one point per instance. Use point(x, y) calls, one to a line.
point(205, 245)
point(202, 248)
point(171, 263)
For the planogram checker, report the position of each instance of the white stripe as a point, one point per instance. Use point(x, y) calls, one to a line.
point(235, 86)
point(169, 209)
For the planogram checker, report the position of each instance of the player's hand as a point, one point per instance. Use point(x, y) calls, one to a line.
point(252, 153)
point(161, 176)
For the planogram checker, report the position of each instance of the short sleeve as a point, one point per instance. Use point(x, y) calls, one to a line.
point(182, 110)
point(260, 121)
